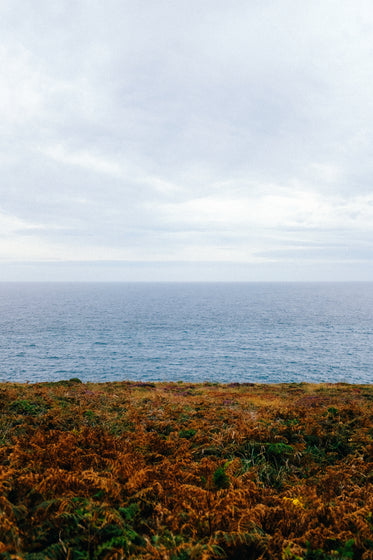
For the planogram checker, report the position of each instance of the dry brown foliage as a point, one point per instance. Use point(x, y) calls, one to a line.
point(186, 471)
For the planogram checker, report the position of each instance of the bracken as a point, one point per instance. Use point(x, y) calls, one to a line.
point(181, 472)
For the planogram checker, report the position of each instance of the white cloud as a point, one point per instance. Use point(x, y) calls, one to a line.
point(21, 87)
point(94, 162)
point(207, 131)
point(84, 159)
point(11, 225)
point(282, 210)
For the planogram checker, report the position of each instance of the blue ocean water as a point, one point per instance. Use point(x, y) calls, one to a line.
point(225, 332)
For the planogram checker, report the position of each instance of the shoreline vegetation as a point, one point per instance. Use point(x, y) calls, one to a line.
point(185, 471)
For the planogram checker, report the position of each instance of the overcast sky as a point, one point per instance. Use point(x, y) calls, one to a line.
point(186, 140)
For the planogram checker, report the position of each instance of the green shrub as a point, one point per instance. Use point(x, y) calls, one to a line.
point(220, 478)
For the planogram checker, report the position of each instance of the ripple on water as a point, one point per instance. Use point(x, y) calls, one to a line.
point(196, 332)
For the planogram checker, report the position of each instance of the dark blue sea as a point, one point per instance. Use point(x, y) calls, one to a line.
point(224, 332)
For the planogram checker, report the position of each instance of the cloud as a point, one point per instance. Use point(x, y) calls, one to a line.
point(284, 210)
point(210, 131)
point(11, 225)
point(84, 159)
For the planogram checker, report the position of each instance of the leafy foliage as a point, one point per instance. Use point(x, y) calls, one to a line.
point(179, 471)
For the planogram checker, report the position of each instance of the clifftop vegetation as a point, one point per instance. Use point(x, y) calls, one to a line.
point(181, 471)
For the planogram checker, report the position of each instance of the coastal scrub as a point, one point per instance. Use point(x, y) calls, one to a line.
point(180, 471)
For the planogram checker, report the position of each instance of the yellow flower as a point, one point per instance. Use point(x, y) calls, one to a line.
point(295, 501)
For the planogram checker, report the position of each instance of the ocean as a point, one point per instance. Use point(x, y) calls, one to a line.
point(193, 332)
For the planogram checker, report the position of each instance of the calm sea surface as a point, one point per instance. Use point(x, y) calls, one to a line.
point(260, 332)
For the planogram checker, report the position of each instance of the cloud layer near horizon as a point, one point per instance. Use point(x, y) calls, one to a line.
point(232, 132)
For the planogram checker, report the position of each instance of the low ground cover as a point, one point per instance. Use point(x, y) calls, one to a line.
point(181, 471)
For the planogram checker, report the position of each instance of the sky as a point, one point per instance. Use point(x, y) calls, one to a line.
point(186, 140)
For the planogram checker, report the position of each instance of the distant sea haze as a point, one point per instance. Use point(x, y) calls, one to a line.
point(223, 332)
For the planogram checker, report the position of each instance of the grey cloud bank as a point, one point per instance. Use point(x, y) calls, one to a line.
point(186, 140)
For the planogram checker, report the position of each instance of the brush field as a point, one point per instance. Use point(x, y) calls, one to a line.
point(180, 471)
